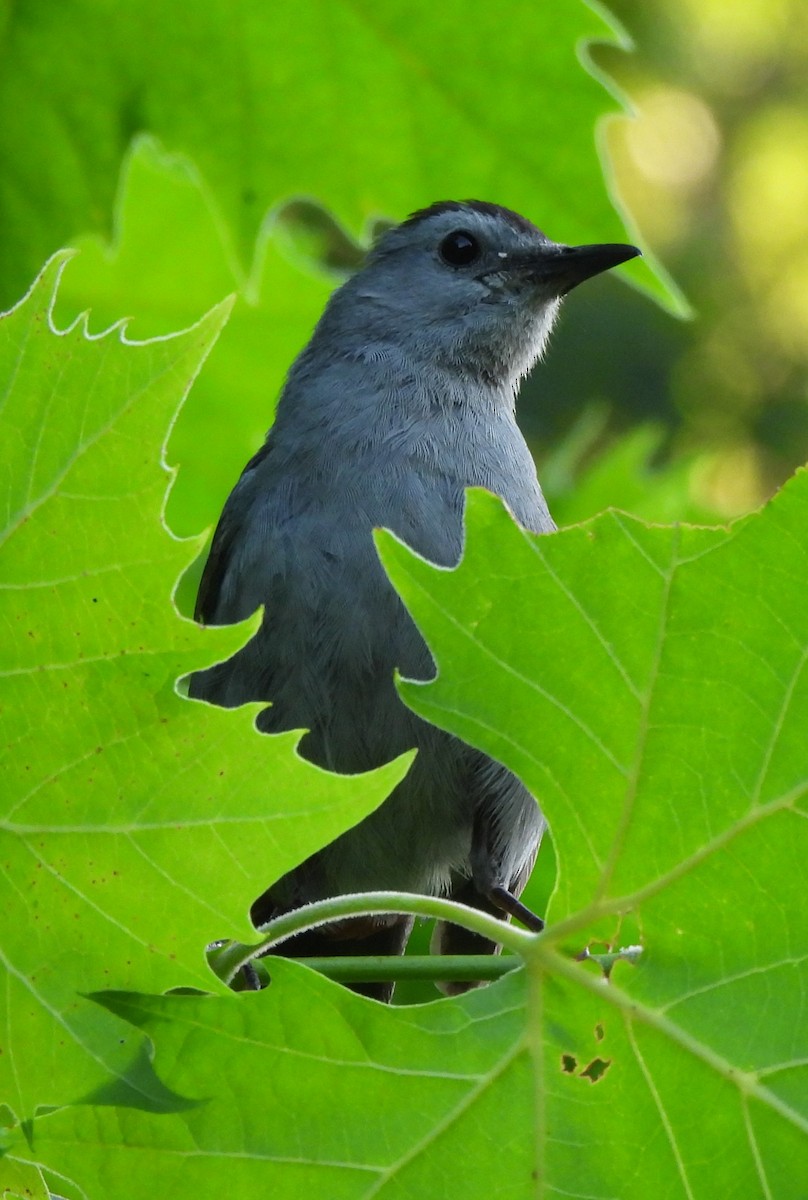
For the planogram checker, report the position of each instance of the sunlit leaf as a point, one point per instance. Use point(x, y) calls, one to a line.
point(136, 826)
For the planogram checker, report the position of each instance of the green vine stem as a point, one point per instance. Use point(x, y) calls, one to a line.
point(228, 959)
point(440, 968)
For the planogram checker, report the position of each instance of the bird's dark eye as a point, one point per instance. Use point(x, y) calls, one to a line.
point(459, 248)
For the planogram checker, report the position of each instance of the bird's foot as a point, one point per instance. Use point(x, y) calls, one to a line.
point(506, 902)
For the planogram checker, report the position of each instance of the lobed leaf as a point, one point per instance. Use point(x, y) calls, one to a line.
point(135, 826)
point(649, 685)
point(381, 109)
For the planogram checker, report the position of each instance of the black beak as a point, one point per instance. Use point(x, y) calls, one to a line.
point(564, 267)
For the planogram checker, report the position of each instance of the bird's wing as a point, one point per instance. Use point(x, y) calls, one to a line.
point(227, 533)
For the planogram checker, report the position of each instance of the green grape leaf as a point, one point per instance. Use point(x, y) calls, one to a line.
point(136, 826)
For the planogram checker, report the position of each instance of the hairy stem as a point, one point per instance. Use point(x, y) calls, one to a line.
point(229, 959)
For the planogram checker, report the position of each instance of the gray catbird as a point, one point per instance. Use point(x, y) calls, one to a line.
point(403, 398)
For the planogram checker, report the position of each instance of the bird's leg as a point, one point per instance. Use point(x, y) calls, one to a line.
point(506, 902)
point(505, 839)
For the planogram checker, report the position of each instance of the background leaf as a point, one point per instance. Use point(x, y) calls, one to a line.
point(254, 95)
point(168, 265)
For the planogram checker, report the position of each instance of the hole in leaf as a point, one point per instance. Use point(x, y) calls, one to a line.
point(599, 1034)
point(595, 1070)
point(569, 1064)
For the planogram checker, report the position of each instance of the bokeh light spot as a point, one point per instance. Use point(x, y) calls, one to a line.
point(675, 140)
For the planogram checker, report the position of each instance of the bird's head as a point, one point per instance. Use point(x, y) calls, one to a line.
point(472, 286)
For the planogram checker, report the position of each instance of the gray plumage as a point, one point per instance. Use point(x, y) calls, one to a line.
point(404, 397)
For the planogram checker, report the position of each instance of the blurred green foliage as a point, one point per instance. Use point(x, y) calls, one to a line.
point(713, 166)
